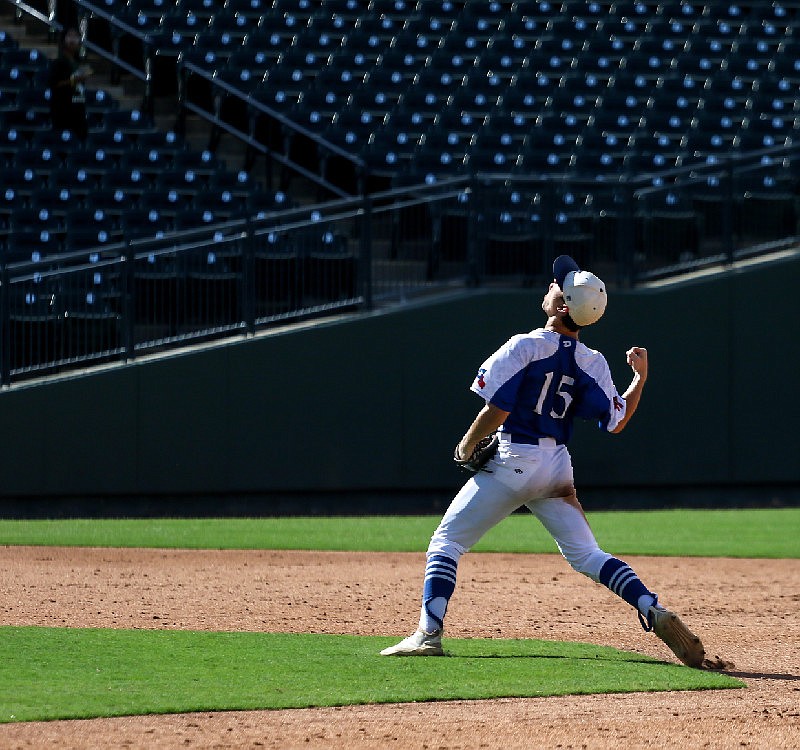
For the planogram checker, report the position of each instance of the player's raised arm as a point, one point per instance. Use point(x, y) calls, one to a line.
point(637, 359)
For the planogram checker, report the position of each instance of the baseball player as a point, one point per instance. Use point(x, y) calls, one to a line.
point(534, 386)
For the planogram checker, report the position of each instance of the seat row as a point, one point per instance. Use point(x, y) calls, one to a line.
point(359, 75)
point(48, 221)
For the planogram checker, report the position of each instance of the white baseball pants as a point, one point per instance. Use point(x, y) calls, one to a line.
point(538, 477)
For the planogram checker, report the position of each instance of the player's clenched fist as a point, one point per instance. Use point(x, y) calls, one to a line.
point(637, 359)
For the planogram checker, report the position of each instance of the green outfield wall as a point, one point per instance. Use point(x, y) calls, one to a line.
point(372, 405)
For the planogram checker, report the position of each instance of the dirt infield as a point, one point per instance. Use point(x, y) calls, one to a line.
point(745, 611)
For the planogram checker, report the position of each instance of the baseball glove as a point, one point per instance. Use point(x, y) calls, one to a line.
point(480, 456)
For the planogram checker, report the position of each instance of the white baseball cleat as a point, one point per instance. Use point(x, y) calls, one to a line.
point(682, 641)
point(419, 644)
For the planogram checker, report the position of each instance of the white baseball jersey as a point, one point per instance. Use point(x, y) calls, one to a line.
point(545, 380)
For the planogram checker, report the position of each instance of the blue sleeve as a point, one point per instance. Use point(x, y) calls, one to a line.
point(595, 406)
point(505, 397)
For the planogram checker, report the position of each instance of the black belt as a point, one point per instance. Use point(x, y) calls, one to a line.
point(544, 442)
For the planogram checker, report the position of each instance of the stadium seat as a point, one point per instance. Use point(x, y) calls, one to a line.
point(212, 289)
point(42, 161)
point(132, 122)
point(389, 152)
point(230, 26)
point(91, 326)
point(329, 273)
point(141, 166)
point(114, 203)
point(35, 323)
point(113, 141)
point(775, 97)
point(278, 275)
point(440, 153)
point(56, 200)
point(402, 63)
point(300, 10)
point(28, 244)
point(144, 222)
point(159, 292)
point(91, 228)
point(476, 104)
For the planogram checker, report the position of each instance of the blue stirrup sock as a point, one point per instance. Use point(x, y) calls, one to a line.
point(440, 582)
point(620, 578)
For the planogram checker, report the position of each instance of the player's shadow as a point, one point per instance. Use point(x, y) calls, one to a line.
point(644, 660)
point(634, 659)
point(763, 676)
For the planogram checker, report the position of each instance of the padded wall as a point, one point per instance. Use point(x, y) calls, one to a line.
point(377, 402)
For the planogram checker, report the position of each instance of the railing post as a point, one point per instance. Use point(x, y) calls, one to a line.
point(250, 151)
point(549, 223)
point(5, 322)
point(475, 255)
point(727, 211)
point(626, 272)
point(180, 117)
point(365, 251)
point(53, 20)
point(128, 302)
point(115, 76)
point(249, 277)
point(434, 253)
point(147, 102)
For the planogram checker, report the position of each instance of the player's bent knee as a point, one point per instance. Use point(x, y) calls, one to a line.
point(440, 546)
point(588, 563)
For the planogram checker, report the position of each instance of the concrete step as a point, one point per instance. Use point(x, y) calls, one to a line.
point(27, 34)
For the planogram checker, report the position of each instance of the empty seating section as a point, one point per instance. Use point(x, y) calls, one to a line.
point(397, 90)
point(75, 193)
point(673, 82)
point(159, 172)
point(65, 203)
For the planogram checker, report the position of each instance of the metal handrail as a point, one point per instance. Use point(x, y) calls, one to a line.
point(34, 13)
point(123, 255)
point(264, 109)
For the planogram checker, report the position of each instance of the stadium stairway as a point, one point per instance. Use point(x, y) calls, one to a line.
point(129, 93)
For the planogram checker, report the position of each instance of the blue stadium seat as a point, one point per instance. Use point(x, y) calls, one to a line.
point(19, 184)
point(316, 108)
point(144, 222)
point(775, 96)
point(437, 154)
point(278, 275)
point(230, 26)
point(32, 244)
point(389, 152)
point(132, 122)
point(58, 201)
point(645, 73)
point(41, 160)
point(36, 323)
point(301, 10)
point(7, 41)
point(478, 103)
point(385, 84)
point(401, 62)
point(113, 140)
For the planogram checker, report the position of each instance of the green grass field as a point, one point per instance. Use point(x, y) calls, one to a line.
point(56, 673)
point(51, 673)
point(699, 533)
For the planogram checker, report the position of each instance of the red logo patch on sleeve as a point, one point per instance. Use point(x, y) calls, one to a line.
point(481, 381)
point(617, 404)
